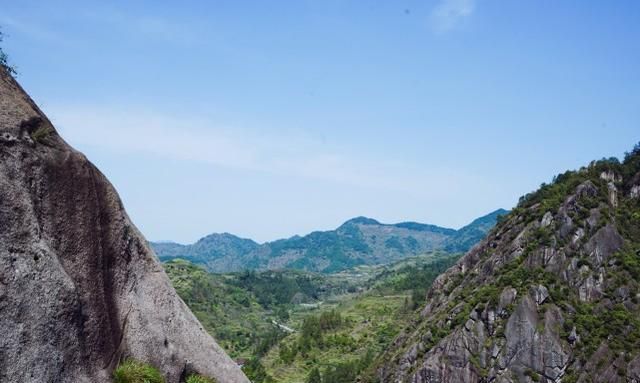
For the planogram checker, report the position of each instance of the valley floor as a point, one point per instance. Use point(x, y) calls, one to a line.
point(285, 326)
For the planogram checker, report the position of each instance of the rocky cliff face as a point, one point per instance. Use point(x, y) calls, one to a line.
point(551, 295)
point(79, 287)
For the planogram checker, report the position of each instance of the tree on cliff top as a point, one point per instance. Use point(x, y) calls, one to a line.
point(4, 59)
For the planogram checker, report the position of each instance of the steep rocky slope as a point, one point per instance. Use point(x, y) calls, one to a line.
point(359, 241)
point(551, 295)
point(79, 287)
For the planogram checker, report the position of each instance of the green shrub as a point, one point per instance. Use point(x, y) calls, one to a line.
point(132, 371)
point(41, 133)
point(314, 376)
point(255, 371)
point(533, 375)
point(570, 377)
point(199, 379)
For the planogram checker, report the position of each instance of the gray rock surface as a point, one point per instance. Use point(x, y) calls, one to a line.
point(79, 287)
point(610, 176)
point(613, 194)
point(547, 219)
point(540, 294)
point(507, 297)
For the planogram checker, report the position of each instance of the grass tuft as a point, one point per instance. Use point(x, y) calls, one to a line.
point(200, 379)
point(41, 134)
point(132, 371)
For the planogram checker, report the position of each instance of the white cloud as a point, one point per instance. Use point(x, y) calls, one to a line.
point(448, 14)
point(278, 153)
point(309, 181)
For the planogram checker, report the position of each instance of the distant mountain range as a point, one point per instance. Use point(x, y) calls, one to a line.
point(358, 241)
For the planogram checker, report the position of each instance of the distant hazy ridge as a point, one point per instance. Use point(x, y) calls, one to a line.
point(358, 241)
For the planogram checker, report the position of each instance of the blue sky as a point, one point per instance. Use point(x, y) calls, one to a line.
point(268, 119)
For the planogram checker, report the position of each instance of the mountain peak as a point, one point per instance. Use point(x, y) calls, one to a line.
point(361, 220)
point(223, 237)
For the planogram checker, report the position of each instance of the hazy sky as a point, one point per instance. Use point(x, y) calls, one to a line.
point(273, 118)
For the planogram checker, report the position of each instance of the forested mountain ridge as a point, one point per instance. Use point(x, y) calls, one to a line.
point(552, 294)
point(359, 241)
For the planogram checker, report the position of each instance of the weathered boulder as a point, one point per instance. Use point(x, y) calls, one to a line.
point(452, 360)
point(591, 287)
point(547, 219)
point(585, 189)
point(532, 343)
point(79, 287)
point(610, 176)
point(603, 244)
point(507, 297)
point(540, 294)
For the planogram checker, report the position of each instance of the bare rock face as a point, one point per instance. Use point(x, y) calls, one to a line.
point(610, 176)
point(547, 219)
point(540, 294)
point(80, 290)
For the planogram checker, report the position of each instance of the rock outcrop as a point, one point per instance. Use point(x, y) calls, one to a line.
point(551, 295)
point(80, 290)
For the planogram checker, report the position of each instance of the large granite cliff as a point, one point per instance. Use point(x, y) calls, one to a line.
point(80, 289)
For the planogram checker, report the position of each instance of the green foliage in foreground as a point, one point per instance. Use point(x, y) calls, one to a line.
point(314, 376)
point(200, 379)
point(255, 371)
point(132, 371)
